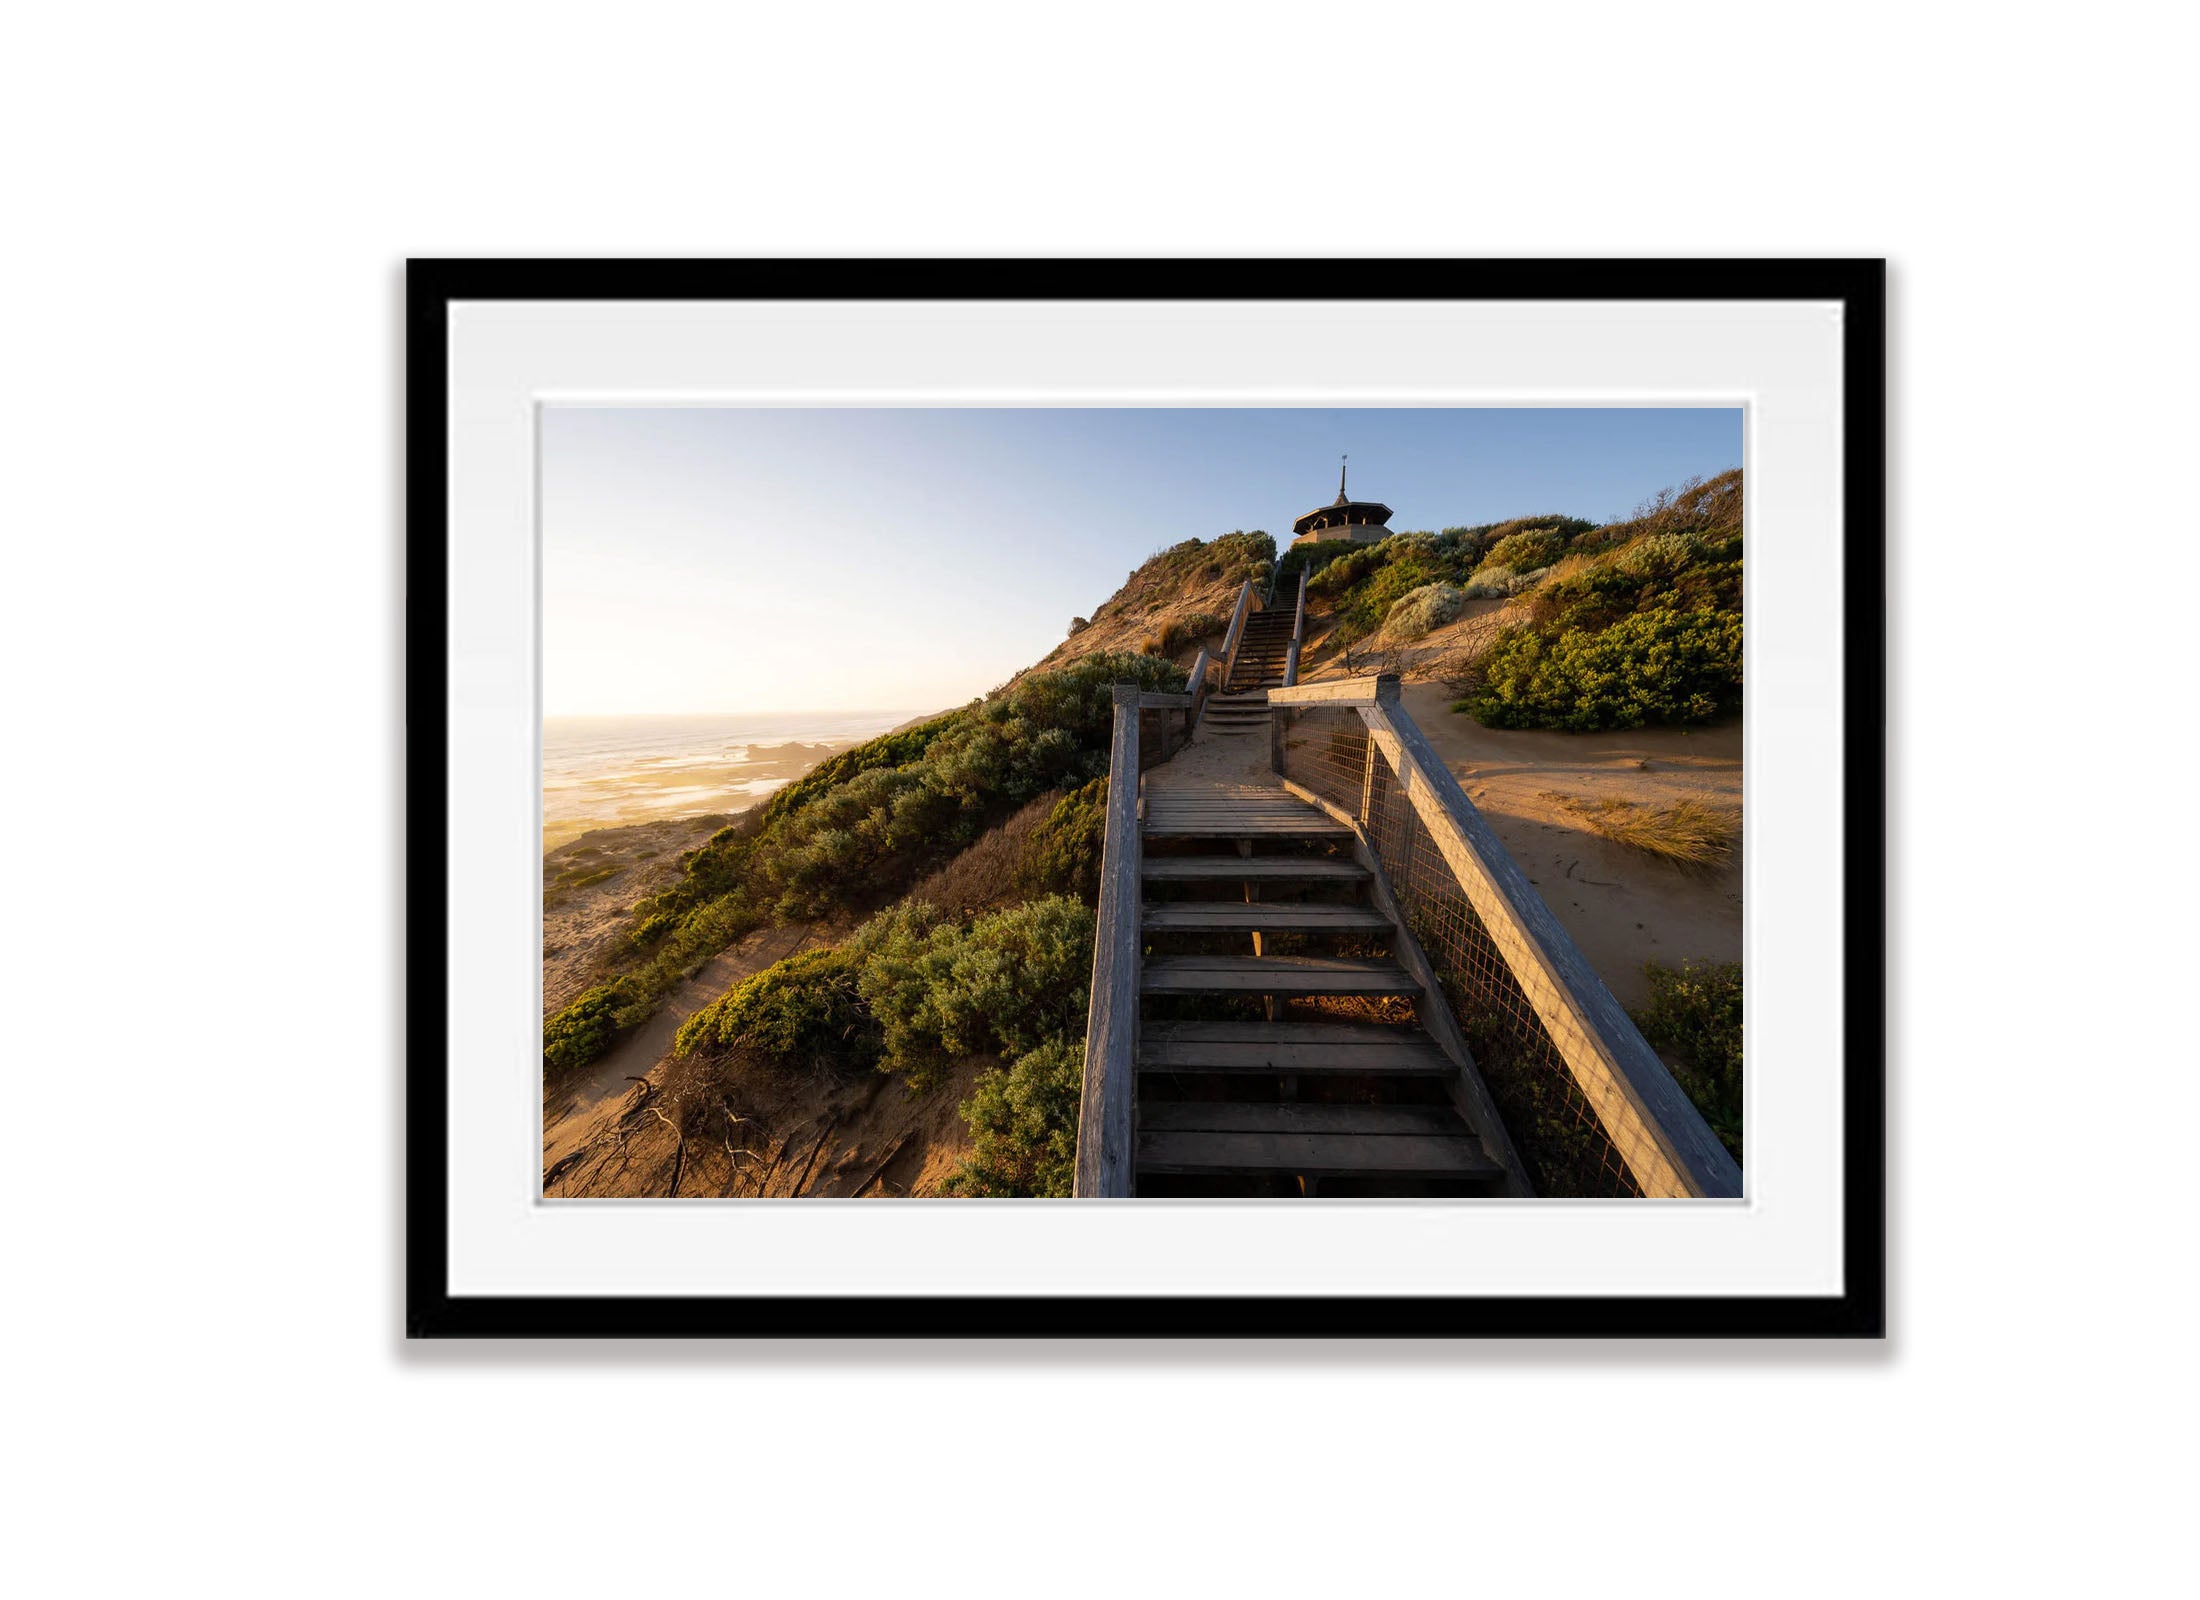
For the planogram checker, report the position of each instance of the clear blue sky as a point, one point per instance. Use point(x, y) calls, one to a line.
point(728, 559)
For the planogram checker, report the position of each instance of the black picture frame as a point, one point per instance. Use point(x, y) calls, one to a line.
point(432, 1311)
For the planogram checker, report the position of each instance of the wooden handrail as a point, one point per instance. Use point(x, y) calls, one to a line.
point(1231, 639)
point(1298, 634)
point(1104, 1121)
point(1650, 1121)
point(1337, 693)
point(1196, 686)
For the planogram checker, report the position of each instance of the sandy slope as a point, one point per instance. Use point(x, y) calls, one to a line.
point(1622, 907)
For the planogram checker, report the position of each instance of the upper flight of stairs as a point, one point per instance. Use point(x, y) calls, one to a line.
point(1249, 912)
point(1263, 649)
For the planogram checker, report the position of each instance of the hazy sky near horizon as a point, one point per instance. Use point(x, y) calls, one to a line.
point(729, 559)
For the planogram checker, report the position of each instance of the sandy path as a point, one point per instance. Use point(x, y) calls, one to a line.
point(1213, 758)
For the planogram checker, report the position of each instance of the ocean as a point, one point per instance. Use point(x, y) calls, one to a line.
point(600, 772)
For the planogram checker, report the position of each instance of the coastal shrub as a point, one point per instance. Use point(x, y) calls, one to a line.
point(1178, 632)
point(1406, 566)
point(1311, 558)
point(1526, 551)
point(1232, 558)
point(898, 808)
point(895, 749)
point(1662, 571)
point(1499, 583)
point(1023, 1125)
point(1007, 983)
point(1636, 622)
point(585, 1029)
point(1660, 555)
point(1348, 567)
point(1418, 610)
point(1694, 1015)
point(1656, 666)
point(1363, 586)
point(1062, 855)
point(805, 1009)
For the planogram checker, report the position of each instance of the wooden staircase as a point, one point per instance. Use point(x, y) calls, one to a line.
point(1262, 651)
point(1253, 915)
point(1236, 715)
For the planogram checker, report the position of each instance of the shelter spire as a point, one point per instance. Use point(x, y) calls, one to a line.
point(1341, 460)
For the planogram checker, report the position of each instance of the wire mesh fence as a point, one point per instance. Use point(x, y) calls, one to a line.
point(1326, 751)
point(1160, 735)
point(1556, 1131)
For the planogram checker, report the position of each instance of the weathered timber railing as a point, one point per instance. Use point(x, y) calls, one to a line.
point(1196, 685)
point(1298, 636)
point(1553, 1043)
point(1104, 1123)
point(1236, 635)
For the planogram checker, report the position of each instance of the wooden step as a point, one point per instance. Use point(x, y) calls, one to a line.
point(1224, 916)
point(1274, 975)
point(1183, 822)
point(1265, 869)
point(1386, 1033)
point(1318, 1049)
point(1228, 1116)
point(1314, 1155)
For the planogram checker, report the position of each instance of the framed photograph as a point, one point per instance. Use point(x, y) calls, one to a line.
point(1154, 798)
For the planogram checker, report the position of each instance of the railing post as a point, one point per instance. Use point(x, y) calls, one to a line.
point(1197, 684)
point(1104, 1125)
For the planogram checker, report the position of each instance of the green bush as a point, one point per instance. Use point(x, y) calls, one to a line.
point(1348, 567)
point(898, 808)
point(1491, 582)
point(1655, 666)
point(804, 1009)
point(1526, 551)
point(1063, 854)
point(1417, 611)
point(1695, 1016)
point(1362, 586)
point(896, 749)
point(584, 1030)
point(1023, 1124)
point(1008, 983)
point(1314, 558)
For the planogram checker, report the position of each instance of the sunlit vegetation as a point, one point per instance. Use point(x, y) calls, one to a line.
point(1694, 1016)
point(1362, 584)
point(1638, 623)
point(1687, 832)
point(1063, 853)
point(1006, 984)
point(844, 841)
point(1023, 1126)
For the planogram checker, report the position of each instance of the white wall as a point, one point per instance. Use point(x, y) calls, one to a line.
point(209, 207)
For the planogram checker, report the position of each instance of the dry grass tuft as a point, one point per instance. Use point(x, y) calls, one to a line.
point(984, 877)
point(1689, 832)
